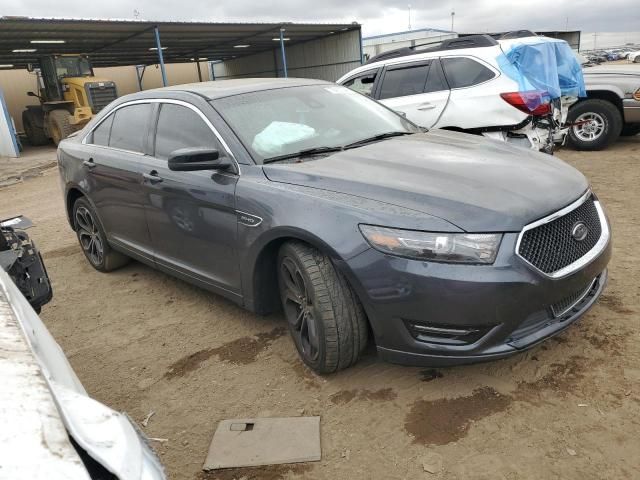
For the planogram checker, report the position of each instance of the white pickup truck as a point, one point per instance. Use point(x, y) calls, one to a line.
point(611, 108)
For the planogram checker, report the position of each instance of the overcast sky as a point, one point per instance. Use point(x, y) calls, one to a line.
point(376, 16)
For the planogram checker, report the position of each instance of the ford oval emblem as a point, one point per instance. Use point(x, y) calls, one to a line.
point(579, 231)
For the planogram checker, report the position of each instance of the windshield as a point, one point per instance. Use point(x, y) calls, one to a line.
point(280, 122)
point(73, 67)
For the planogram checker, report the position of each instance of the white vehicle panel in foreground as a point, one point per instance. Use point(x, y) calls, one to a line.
point(46, 400)
point(33, 441)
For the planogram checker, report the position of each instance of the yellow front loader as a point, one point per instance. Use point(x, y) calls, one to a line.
point(70, 95)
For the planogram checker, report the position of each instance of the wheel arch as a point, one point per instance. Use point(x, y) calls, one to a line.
point(606, 95)
point(260, 280)
point(74, 192)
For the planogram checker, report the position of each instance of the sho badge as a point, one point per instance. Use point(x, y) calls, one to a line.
point(248, 219)
point(579, 231)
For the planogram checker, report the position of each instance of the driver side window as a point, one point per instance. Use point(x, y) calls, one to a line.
point(180, 127)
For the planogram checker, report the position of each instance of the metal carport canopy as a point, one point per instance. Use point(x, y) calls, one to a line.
point(112, 43)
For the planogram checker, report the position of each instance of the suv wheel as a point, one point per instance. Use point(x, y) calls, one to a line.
point(600, 123)
point(325, 319)
point(93, 239)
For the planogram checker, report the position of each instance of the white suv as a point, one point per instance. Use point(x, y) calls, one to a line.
point(460, 84)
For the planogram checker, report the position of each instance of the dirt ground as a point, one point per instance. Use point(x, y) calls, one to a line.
point(142, 341)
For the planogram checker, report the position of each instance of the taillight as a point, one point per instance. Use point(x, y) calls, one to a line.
point(533, 102)
point(637, 95)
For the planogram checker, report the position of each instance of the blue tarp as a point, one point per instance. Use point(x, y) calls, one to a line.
point(546, 65)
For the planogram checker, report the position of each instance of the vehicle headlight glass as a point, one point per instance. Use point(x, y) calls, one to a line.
point(479, 248)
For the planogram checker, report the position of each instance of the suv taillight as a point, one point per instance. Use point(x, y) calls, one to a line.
point(533, 102)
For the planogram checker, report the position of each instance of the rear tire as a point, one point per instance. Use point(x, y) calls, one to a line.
point(630, 129)
point(93, 240)
point(603, 127)
point(60, 125)
point(326, 321)
point(35, 135)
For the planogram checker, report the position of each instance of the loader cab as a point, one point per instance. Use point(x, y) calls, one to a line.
point(56, 68)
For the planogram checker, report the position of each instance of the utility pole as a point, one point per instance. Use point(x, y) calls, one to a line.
point(409, 16)
point(453, 14)
point(595, 40)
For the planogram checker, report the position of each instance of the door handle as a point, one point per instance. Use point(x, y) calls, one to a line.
point(426, 106)
point(152, 177)
point(89, 164)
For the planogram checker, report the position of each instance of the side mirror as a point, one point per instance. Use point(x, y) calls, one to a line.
point(31, 94)
point(193, 159)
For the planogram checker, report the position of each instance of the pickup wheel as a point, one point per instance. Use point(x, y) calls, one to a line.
point(93, 239)
point(599, 124)
point(325, 319)
point(630, 129)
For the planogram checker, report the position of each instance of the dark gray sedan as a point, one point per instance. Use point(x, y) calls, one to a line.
point(441, 247)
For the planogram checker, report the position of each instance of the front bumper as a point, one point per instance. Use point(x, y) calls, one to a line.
point(631, 109)
point(507, 306)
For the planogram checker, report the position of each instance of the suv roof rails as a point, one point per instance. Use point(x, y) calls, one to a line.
point(518, 34)
point(472, 41)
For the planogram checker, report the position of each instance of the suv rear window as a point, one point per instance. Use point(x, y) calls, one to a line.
point(362, 83)
point(464, 72)
point(401, 82)
point(130, 126)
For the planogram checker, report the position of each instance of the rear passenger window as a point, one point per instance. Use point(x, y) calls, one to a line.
point(464, 72)
point(401, 82)
point(362, 83)
point(180, 127)
point(435, 80)
point(100, 135)
point(130, 127)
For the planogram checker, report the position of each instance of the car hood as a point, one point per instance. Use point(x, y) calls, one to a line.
point(479, 185)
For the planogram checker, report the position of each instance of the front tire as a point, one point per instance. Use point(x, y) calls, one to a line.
point(600, 127)
point(60, 125)
point(325, 319)
point(93, 240)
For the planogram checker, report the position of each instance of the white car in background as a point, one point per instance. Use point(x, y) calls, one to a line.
point(461, 84)
point(50, 429)
point(634, 57)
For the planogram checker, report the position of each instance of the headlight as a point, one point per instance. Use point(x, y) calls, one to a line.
point(434, 247)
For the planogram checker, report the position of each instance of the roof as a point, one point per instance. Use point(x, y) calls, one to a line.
point(130, 42)
point(417, 30)
point(226, 88)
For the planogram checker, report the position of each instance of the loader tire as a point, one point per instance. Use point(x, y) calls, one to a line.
point(35, 134)
point(60, 125)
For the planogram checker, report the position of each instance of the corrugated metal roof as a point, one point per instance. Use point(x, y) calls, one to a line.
point(132, 42)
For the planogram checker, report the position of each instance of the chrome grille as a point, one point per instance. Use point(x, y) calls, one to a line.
point(551, 246)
